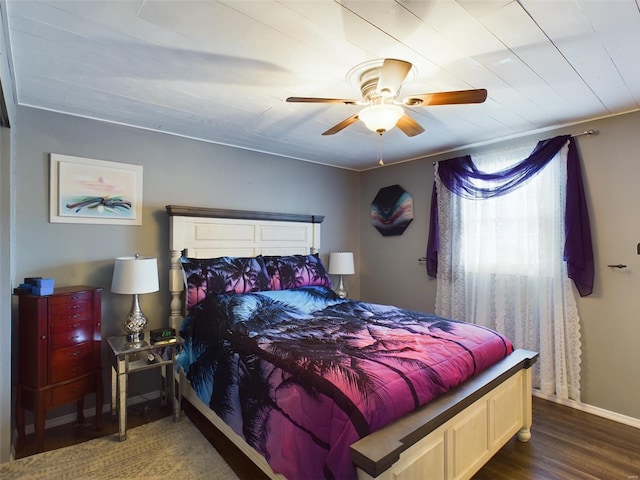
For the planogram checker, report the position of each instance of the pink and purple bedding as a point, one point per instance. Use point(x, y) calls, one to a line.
point(301, 374)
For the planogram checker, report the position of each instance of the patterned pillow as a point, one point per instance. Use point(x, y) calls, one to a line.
point(213, 276)
point(294, 271)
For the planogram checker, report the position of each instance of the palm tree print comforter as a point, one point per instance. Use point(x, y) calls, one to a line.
point(302, 374)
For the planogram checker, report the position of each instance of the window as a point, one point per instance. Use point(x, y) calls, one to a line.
point(500, 261)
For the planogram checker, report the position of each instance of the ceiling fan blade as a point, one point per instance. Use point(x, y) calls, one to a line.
point(409, 126)
point(392, 75)
point(447, 98)
point(323, 100)
point(343, 124)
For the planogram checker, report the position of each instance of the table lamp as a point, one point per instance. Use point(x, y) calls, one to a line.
point(341, 263)
point(134, 276)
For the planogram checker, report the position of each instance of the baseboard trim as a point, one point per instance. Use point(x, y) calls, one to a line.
point(90, 412)
point(600, 412)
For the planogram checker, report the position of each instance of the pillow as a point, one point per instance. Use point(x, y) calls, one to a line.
point(213, 276)
point(294, 271)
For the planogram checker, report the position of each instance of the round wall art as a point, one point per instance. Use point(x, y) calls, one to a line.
point(392, 210)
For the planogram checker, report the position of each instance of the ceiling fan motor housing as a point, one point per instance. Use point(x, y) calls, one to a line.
point(369, 87)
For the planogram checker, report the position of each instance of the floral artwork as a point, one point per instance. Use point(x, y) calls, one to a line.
point(86, 190)
point(392, 210)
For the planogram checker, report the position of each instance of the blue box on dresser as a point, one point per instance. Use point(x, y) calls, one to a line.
point(43, 286)
point(40, 291)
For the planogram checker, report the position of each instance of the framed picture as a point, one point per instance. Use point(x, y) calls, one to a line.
point(85, 190)
point(392, 210)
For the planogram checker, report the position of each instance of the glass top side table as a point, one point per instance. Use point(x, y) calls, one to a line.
point(130, 357)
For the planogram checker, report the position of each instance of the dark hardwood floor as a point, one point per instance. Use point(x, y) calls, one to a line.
point(566, 444)
point(72, 433)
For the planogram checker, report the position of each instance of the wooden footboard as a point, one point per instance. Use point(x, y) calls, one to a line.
point(456, 434)
point(450, 438)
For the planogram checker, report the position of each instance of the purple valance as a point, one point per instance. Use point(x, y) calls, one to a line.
point(458, 175)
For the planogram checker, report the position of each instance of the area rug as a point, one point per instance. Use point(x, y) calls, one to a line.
point(157, 450)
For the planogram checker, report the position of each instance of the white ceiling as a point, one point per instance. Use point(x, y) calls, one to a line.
point(220, 71)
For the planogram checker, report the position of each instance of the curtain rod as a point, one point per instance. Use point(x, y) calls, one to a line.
point(586, 132)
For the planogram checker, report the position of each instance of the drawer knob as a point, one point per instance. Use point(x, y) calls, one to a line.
point(75, 354)
point(43, 337)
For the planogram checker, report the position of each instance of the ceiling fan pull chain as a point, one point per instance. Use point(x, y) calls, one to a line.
point(379, 151)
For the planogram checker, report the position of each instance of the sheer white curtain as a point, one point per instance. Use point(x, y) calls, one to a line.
point(500, 264)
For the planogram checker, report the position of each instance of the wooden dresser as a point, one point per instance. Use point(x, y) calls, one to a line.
point(59, 352)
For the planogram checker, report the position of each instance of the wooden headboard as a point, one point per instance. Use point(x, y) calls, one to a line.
point(199, 232)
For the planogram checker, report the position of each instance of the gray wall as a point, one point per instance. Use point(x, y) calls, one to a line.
point(5, 299)
point(175, 171)
point(610, 316)
point(390, 270)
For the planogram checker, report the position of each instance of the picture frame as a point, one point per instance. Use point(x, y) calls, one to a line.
point(87, 190)
point(392, 210)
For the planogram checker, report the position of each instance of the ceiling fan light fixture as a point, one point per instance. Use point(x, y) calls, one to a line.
point(381, 118)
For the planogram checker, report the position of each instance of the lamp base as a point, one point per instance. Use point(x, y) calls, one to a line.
point(135, 338)
point(135, 322)
point(341, 291)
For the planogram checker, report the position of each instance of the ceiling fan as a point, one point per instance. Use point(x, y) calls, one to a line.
point(380, 82)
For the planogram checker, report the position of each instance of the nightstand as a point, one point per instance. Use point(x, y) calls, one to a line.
point(128, 358)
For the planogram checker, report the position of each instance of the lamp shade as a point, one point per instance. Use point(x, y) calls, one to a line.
point(381, 118)
point(341, 263)
point(133, 275)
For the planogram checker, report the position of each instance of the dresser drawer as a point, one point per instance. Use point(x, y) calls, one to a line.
point(80, 296)
point(64, 312)
point(72, 369)
point(70, 333)
point(73, 391)
point(63, 356)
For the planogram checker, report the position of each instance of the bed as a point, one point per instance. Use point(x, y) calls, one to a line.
point(455, 416)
